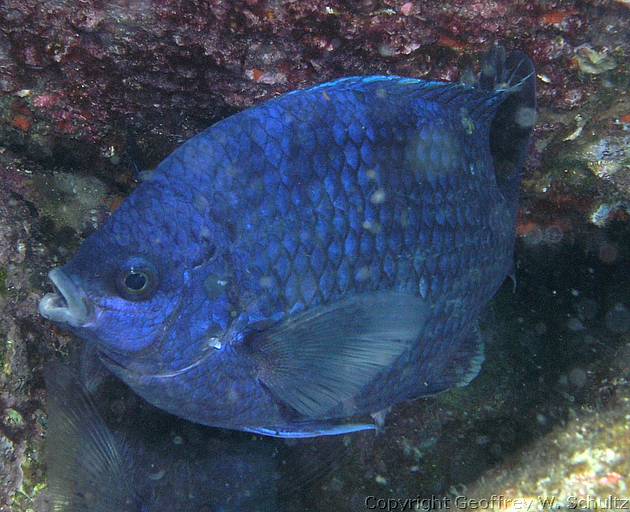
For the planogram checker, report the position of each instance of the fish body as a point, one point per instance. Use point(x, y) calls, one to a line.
point(100, 461)
point(319, 257)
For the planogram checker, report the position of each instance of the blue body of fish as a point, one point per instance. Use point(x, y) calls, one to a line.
point(316, 258)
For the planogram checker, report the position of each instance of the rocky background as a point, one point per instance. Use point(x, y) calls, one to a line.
point(93, 92)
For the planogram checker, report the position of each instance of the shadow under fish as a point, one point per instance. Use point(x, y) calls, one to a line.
point(322, 256)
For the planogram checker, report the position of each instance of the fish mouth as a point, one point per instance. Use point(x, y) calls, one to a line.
point(68, 305)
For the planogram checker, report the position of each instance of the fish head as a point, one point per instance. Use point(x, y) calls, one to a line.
point(133, 280)
point(117, 296)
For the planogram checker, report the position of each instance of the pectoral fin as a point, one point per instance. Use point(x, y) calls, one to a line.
point(88, 469)
point(320, 358)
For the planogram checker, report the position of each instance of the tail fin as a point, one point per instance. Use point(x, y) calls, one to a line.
point(514, 121)
point(87, 467)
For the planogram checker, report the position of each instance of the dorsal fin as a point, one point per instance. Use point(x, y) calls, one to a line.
point(513, 76)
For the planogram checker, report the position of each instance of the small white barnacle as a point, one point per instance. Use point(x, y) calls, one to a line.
point(215, 343)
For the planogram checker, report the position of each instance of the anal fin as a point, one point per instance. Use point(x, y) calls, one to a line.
point(307, 429)
point(465, 364)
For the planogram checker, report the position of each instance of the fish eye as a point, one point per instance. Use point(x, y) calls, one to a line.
point(137, 281)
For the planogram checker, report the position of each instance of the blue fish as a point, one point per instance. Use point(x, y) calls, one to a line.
point(148, 461)
point(314, 260)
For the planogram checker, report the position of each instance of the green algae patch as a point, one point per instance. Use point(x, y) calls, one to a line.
point(13, 418)
point(8, 349)
point(33, 480)
point(3, 282)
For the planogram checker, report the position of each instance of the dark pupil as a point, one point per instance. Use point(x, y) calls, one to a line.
point(135, 281)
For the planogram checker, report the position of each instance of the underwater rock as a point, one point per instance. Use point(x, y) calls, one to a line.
point(11, 475)
point(80, 81)
point(581, 464)
point(24, 344)
point(154, 65)
point(77, 78)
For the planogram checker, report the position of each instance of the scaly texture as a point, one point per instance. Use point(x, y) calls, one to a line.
point(321, 256)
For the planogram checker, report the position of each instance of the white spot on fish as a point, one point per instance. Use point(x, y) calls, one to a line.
point(204, 233)
point(423, 287)
point(215, 343)
point(200, 203)
point(363, 274)
point(266, 282)
point(373, 227)
point(214, 286)
point(233, 395)
point(467, 122)
point(378, 196)
point(404, 218)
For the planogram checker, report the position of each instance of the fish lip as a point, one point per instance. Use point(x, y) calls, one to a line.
point(69, 305)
